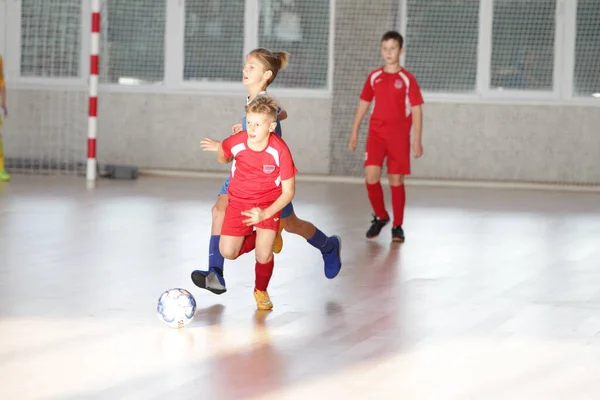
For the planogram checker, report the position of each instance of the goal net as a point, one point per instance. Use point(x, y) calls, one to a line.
point(147, 43)
point(46, 127)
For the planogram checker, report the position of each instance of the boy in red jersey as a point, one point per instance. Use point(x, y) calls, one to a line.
point(262, 184)
point(397, 106)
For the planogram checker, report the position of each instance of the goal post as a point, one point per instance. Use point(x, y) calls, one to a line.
point(93, 91)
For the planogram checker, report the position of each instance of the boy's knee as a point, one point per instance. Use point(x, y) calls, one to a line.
point(263, 257)
point(372, 175)
point(396, 179)
point(218, 210)
point(228, 254)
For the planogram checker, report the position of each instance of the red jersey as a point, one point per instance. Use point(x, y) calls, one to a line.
point(256, 175)
point(394, 96)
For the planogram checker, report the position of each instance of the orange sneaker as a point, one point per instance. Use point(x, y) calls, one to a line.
point(278, 244)
point(263, 301)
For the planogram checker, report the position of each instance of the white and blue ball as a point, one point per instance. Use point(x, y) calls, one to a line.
point(176, 307)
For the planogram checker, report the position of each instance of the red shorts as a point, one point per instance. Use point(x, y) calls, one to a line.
point(395, 145)
point(233, 224)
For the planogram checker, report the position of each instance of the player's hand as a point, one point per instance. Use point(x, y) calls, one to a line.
point(255, 215)
point(236, 128)
point(207, 144)
point(417, 149)
point(353, 141)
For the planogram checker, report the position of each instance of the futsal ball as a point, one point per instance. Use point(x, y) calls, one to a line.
point(176, 307)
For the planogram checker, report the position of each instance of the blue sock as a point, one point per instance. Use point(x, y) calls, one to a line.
point(215, 259)
point(321, 242)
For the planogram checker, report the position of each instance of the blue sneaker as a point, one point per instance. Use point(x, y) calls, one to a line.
point(211, 280)
point(333, 259)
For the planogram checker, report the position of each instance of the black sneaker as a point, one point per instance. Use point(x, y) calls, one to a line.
point(211, 280)
point(397, 234)
point(377, 225)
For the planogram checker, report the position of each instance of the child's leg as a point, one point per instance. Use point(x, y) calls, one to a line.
point(4, 176)
point(286, 212)
point(398, 166)
point(376, 153)
point(398, 197)
point(212, 278)
point(234, 246)
point(265, 239)
point(264, 257)
point(330, 247)
point(218, 213)
point(278, 245)
point(215, 259)
point(1, 154)
point(235, 240)
point(297, 226)
point(375, 191)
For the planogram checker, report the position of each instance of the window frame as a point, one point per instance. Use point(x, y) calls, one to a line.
point(174, 81)
point(563, 68)
point(570, 54)
point(174, 78)
point(444, 97)
point(12, 56)
point(486, 38)
point(154, 87)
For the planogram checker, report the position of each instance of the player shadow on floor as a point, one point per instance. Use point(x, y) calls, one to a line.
point(383, 259)
point(209, 316)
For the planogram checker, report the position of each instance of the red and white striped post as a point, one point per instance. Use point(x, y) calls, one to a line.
point(93, 96)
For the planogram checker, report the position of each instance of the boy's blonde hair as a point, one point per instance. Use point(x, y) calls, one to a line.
point(263, 105)
point(271, 61)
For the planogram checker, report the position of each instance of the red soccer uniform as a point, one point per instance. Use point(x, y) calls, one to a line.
point(255, 180)
point(391, 118)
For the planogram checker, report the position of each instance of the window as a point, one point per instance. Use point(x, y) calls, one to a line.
point(214, 40)
point(523, 44)
point(133, 41)
point(441, 44)
point(50, 38)
point(587, 49)
point(302, 29)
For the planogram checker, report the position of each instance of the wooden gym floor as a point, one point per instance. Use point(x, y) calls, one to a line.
point(495, 295)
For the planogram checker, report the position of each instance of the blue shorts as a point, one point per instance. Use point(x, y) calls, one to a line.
point(286, 212)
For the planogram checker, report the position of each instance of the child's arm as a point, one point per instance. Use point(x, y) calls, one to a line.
point(366, 96)
point(361, 111)
point(417, 113)
point(223, 159)
point(236, 128)
point(207, 144)
point(416, 100)
point(288, 190)
point(282, 114)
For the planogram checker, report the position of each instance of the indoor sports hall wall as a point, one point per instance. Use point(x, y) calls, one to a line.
point(153, 130)
point(480, 121)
